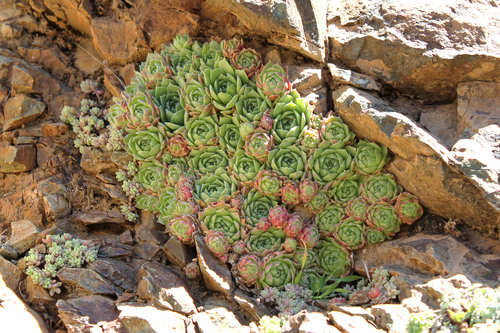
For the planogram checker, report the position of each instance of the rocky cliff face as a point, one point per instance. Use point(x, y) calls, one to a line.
point(421, 77)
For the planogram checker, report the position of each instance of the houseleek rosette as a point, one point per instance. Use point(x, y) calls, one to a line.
point(223, 218)
point(145, 145)
point(249, 268)
point(229, 134)
point(374, 236)
point(167, 96)
point(290, 193)
point(231, 47)
point(186, 207)
point(273, 80)
point(308, 190)
point(291, 116)
point(289, 161)
point(178, 146)
point(350, 233)
point(383, 217)
point(259, 144)
point(154, 69)
point(408, 208)
point(251, 105)
point(183, 226)
point(318, 202)
point(116, 113)
point(245, 168)
point(195, 99)
point(294, 226)
point(380, 187)
point(151, 176)
point(179, 43)
point(265, 242)
point(309, 236)
point(201, 130)
point(215, 187)
point(166, 204)
point(182, 62)
point(334, 129)
point(268, 183)
point(225, 84)
point(357, 208)
point(330, 161)
point(208, 159)
point(329, 218)
point(174, 174)
point(257, 206)
point(207, 55)
point(370, 157)
point(333, 258)
point(248, 60)
point(343, 190)
point(278, 216)
point(278, 269)
point(147, 202)
point(311, 139)
point(309, 253)
point(217, 243)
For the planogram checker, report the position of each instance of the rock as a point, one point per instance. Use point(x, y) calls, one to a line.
point(23, 140)
point(250, 305)
point(17, 159)
point(56, 207)
point(346, 76)
point(441, 121)
point(86, 56)
point(216, 275)
point(391, 317)
point(138, 318)
point(165, 288)
point(32, 81)
point(8, 252)
point(351, 324)
point(112, 85)
point(11, 275)
point(422, 257)
point(96, 161)
point(299, 25)
point(9, 10)
point(219, 320)
point(433, 291)
point(24, 235)
point(85, 280)
point(413, 47)
point(359, 297)
point(143, 234)
point(127, 73)
point(99, 217)
point(146, 251)
point(43, 154)
point(9, 31)
point(304, 79)
point(316, 322)
point(419, 160)
point(16, 316)
point(126, 238)
point(115, 271)
point(76, 14)
point(54, 129)
point(273, 55)
point(37, 294)
point(176, 252)
point(84, 313)
point(353, 311)
point(414, 303)
point(20, 110)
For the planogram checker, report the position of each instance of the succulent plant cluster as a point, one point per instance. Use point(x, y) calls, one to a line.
point(58, 251)
point(223, 146)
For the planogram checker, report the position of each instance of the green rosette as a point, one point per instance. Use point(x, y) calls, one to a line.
point(251, 105)
point(291, 116)
point(343, 190)
point(167, 96)
point(330, 162)
point(333, 259)
point(380, 187)
point(289, 161)
point(328, 219)
point(195, 98)
point(370, 158)
point(273, 80)
point(145, 145)
point(207, 55)
point(141, 112)
point(278, 270)
point(152, 176)
point(265, 242)
point(318, 202)
point(408, 208)
point(208, 159)
point(229, 134)
point(201, 131)
point(357, 208)
point(312, 138)
point(225, 219)
point(257, 206)
point(350, 233)
point(383, 217)
point(147, 202)
point(244, 167)
point(268, 183)
point(116, 113)
point(153, 70)
point(374, 236)
point(166, 204)
point(182, 63)
point(333, 129)
point(248, 60)
point(311, 256)
point(219, 186)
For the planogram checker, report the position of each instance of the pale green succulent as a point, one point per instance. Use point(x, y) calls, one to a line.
point(229, 134)
point(265, 242)
point(145, 145)
point(225, 219)
point(245, 168)
point(208, 159)
point(278, 269)
point(289, 161)
point(151, 176)
point(330, 162)
point(370, 158)
point(219, 186)
point(257, 206)
point(201, 131)
point(333, 258)
point(333, 129)
point(251, 105)
point(329, 218)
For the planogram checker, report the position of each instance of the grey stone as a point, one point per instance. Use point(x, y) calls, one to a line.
point(98, 217)
point(176, 252)
point(84, 313)
point(139, 318)
point(86, 281)
point(115, 271)
point(251, 305)
point(346, 76)
point(353, 311)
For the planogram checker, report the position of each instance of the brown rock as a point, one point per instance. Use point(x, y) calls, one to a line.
point(24, 235)
point(96, 161)
point(17, 159)
point(23, 140)
point(115, 271)
point(44, 154)
point(8, 252)
point(82, 314)
point(391, 317)
point(220, 316)
point(37, 293)
point(31, 81)
point(441, 122)
point(113, 85)
point(146, 251)
point(20, 110)
point(353, 311)
point(351, 324)
point(126, 238)
point(10, 274)
point(85, 280)
point(91, 218)
point(346, 76)
point(76, 14)
point(433, 291)
point(304, 79)
point(176, 252)
point(359, 297)
point(54, 129)
point(56, 207)
point(127, 73)
point(165, 288)
point(251, 305)
point(216, 275)
point(16, 316)
point(9, 10)
point(143, 234)
point(419, 161)
point(86, 56)
point(21, 80)
point(138, 318)
point(316, 322)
